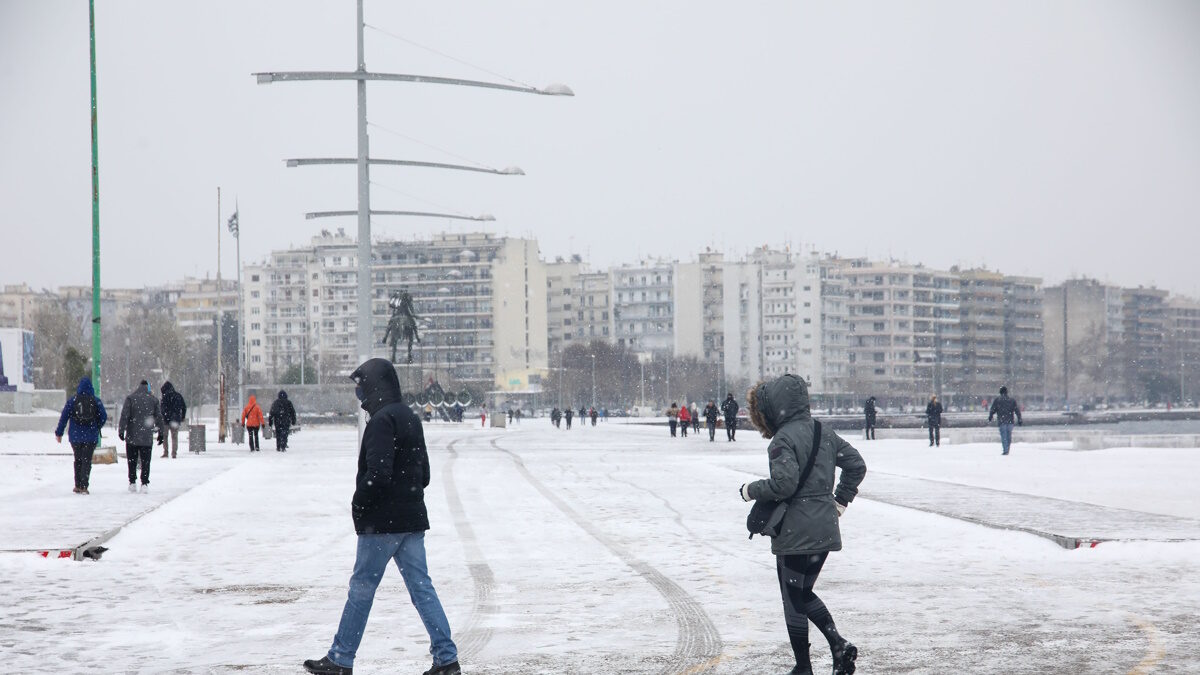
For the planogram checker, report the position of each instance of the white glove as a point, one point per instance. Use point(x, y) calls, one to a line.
point(745, 492)
point(841, 508)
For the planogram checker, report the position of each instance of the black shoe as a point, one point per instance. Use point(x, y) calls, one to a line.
point(448, 669)
point(326, 667)
point(844, 655)
point(800, 671)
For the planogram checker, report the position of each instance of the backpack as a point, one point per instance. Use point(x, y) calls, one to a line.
point(85, 412)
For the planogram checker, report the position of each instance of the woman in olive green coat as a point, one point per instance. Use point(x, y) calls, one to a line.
point(780, 410)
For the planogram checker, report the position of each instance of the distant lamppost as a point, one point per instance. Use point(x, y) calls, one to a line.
point(593, 380)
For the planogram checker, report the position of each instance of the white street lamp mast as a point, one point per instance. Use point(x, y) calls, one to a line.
point(361, 76)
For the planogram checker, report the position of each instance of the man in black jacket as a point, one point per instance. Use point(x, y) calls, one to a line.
point(730, 408)
point(281, 418)
point(1005, 408)
point(174, 410)
point(869, 414)
point(390, 518)
point(933, 414)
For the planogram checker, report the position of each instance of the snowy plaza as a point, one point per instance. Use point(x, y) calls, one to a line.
point(607, 549)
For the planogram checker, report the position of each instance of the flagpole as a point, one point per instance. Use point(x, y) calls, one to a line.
point(220, 333)
point(241, 312)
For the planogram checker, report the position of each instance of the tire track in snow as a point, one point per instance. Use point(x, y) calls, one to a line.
point(698, 645)
point(476, 634)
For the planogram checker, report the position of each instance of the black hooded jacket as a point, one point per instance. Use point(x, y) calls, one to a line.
point(174, 408)
point(283, 413)
point(393, 464)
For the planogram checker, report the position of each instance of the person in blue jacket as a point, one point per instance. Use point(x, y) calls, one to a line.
point(86, 414)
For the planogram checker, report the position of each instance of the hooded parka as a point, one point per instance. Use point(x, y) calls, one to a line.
point(252, 414)
point(141, 418)
point(79, 433)
point(393, 464)
point(811, 524)
point(174, 408)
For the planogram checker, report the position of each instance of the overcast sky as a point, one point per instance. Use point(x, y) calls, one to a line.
point(1048, 138)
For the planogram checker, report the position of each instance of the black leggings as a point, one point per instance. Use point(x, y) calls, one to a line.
point(797, 576)
point(252, 436)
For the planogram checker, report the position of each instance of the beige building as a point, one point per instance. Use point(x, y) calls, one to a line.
point(1083, 319)
point(903, 331)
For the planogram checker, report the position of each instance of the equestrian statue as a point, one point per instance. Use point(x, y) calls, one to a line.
point(403, 324)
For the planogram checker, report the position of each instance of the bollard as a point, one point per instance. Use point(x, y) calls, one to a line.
point(196, 438)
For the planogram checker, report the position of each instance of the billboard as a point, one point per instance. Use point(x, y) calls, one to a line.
point(16, 359)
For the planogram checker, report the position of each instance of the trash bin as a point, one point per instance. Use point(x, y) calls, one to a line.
point(498, 421)
point(196, 438)
point(237, 434)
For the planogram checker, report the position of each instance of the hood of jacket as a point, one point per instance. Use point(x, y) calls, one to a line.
point(779, 401)
point(379, 384)
point(283, 394)
point(85, 387)
point(253, 401)
point(167, 388)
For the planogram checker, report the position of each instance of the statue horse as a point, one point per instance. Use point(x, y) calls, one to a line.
point(403, 324)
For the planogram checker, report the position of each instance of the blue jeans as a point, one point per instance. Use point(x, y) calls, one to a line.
point(374, 552)
point(1006, 436)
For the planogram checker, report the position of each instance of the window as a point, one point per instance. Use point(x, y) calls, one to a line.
point(254, 294)
point(253, 277)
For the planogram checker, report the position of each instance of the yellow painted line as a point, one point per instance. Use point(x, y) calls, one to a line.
point(1154, 647)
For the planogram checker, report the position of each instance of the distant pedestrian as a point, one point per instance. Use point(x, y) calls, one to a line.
point(730, 408)
point(809, 530)
point(556, 417)
point(86, 414)
point(174, 410)
point(390, 519)
point(685, 420)
point(870, 413)
point(282, 418)
point(482, 416)
point(1004, 409)
point(933, 415)
point(710, 418)
point(594, 415)
point(673, 418)
point(252, 419)
point(510, 416)
point(519, 415)
point(141, 421)
point(570, 413)
point(695, 419)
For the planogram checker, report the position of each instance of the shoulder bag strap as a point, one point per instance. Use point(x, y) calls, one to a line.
point(812, 458)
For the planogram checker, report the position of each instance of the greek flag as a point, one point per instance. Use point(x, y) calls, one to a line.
point(233, 223)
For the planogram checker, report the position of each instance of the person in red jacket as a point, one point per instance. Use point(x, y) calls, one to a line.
point(252, 419)
point(685, 420)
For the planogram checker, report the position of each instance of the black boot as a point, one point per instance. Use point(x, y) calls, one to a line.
point(844, 655)
point(326, 667)
point(798, 670)
point(448, 669)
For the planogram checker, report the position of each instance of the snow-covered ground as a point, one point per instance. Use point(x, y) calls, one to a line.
point(612, 549)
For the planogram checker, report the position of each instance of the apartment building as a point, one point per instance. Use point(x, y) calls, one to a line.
point(1024, 342)
point(1083, 320)
point(981, 324)
point(834, 318)
point(1183, 348)
point(19, 304)
point(644, 306)
point(904, 337)
point(771, 312)
point(196, 304)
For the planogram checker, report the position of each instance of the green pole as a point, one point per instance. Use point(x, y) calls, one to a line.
point(95, 210)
